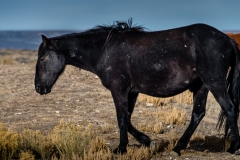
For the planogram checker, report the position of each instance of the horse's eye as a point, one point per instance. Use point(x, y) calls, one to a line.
point(43, 57)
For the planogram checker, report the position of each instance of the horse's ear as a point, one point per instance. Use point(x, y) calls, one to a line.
point(46, 41)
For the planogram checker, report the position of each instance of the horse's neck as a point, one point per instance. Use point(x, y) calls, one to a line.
point(85, 53)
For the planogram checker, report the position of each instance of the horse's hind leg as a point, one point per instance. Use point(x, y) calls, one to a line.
point(215, 80)
point(198, 112)
point(228, 108)
point(139, 136)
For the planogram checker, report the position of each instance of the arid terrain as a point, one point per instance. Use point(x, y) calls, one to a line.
point(79, 97)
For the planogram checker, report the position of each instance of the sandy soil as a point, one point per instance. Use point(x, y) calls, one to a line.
point(78, 96)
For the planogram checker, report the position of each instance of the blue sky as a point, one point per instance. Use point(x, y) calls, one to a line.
point(85, 14)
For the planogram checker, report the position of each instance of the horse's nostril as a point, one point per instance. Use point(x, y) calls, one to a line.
point(38, 88)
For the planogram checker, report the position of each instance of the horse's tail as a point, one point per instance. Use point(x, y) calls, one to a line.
point(233, 81)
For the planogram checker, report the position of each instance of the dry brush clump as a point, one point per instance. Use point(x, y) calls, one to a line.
point(66, 141)
point(71, 139)
point(37, 143)
point(8, 143)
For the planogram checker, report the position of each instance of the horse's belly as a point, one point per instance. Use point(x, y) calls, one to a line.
point(165, 91)
point(167, 85)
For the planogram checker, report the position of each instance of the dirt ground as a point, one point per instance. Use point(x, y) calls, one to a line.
point(78, 96)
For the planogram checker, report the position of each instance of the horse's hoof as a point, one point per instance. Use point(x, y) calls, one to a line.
point(237, 152)
point(230, 150)
point(153, 146)
point(120, 150)
point(173, 153)
point(115, 156)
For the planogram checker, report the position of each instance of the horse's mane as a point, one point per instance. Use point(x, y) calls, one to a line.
point(117, 26)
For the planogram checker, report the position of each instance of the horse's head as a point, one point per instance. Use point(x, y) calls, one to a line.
point(50, 65)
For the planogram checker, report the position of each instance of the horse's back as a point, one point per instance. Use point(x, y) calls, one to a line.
point(165, 63)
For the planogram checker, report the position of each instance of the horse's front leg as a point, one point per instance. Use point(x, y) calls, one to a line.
point(121, 104)
point(139, 136)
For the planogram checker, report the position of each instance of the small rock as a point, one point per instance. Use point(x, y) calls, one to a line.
point(19, 113)
point(237, 152)
point(149, 104)
point(98, 111)
point(170, 126)
point(172, 153)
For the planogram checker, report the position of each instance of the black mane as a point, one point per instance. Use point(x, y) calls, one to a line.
point(117, 26)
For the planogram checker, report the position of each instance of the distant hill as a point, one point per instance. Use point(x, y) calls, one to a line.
point(26, 39)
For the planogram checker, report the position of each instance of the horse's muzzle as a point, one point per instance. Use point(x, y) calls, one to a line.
point(42, 90)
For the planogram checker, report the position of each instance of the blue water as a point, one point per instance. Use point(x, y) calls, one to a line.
point(31, 39)
point(25, 39)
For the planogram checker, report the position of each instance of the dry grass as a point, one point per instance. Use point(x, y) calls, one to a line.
point(171, 144)
point(155, 127)
point(135, 153)
point(184, 98)
point(40, 145)
point(97, 150)
point(170, 115)
point(175, 116)
point(71, 139)
point(7, 60)
point(8, 143)
point(10, 57)
point(106, 128)
point(68, 141)
point(27, 156)
point(161, 118)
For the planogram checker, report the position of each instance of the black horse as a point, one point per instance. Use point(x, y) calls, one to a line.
point(129, 61)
